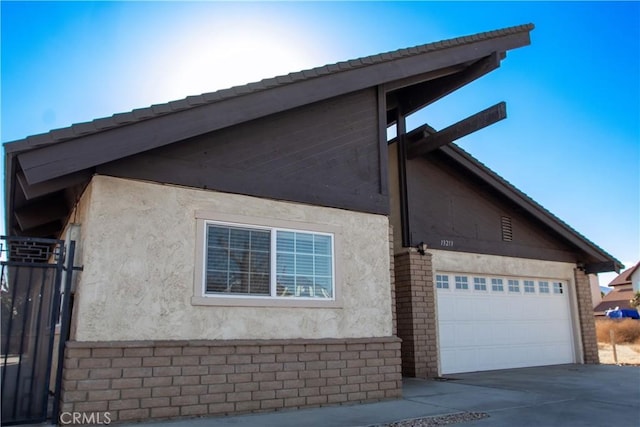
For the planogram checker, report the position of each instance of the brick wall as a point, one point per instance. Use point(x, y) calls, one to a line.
point(136, 381)
point(587, 319)
point(416, 314)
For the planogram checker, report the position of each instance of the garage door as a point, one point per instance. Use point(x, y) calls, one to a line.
point(493, 322)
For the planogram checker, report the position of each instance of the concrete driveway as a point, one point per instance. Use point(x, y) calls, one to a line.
point(564, 395)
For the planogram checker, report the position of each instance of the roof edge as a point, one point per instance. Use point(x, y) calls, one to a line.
point(524, 200)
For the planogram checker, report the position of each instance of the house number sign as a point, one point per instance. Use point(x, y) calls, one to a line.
point(446, 243)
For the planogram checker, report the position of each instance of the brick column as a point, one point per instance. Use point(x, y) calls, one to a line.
point(416, 314)
point(587, 320)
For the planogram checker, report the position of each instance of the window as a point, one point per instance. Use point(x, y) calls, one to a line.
point(557, 288)
point(257, 261)
point(462, 282)
point(479, 283)
point(544, 287)
point(529, 287)
point(514, 285)
point(496, 285)
point(442, 281)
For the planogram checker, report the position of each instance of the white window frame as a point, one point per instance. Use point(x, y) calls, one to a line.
point(543, 287)
point(442, 281)
point(462, 284)
point(497, 284)
point(514, 286)
point(480, 284)
point(200, 297)
point(529, 286)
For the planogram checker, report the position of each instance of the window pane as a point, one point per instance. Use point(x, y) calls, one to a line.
point(323, 287)
point(259, 284)
point(237, 260)
point(544, 287)
point(304, 243)
point(260, 241)
point(218, 236)
point(306, 258)
point(304, 264)
point(239, 239)
point(304, 286)
point(557, 288)
point(260, 262)
point(529, 287)
point(216, 281)
point(285, 286)
point(218, 258)
point(462, 282)
point(323, 266)
point(285, 241)
point(322, 245)
point(442, 281)
point(286, 264)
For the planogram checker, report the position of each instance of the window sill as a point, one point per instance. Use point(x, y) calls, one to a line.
point(264, 302)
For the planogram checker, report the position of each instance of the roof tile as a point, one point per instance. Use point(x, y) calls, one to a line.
point(104, 123)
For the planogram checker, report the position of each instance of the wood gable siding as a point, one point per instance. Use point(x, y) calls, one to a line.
point(450, 209)
point(326, 153)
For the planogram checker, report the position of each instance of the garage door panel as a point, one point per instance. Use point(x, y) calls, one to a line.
point(492, 329)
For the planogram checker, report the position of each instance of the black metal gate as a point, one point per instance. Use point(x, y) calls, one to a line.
point(35, 279)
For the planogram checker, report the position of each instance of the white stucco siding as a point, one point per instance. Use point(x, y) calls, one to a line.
point(139, 249)
point(494, 264)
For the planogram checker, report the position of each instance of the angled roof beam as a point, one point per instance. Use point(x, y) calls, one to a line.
point(456, 131)
point(124, 135)
point(602, 267)
point(40, 213)
point(415, 97)
point(31, 191)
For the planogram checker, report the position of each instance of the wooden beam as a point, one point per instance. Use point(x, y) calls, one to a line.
point(402, 179)
point(31, 191)
point(419, 96)
point(456, 131)
point(40, 213)
point(602, 267)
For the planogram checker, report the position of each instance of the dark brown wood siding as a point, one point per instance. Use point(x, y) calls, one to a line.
point(452, 210)
point(327, 153)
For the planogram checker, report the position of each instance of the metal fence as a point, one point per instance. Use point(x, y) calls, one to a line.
point(35, 311)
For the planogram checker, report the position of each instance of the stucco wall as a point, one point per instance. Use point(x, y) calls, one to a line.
point(138, 251)
point(495, 264)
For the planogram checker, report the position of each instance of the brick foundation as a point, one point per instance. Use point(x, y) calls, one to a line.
point(416, 314)
point(587, 319)
point(136, 381)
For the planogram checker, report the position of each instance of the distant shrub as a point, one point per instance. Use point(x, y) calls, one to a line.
point(626, 330)
point(635, 301)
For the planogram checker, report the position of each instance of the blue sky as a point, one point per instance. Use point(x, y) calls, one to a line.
point(571, 140)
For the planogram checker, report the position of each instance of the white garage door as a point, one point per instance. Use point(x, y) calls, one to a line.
point(493, 322)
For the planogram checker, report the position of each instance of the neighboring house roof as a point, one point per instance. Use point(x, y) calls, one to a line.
point(624, 278)
point(616, 298)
